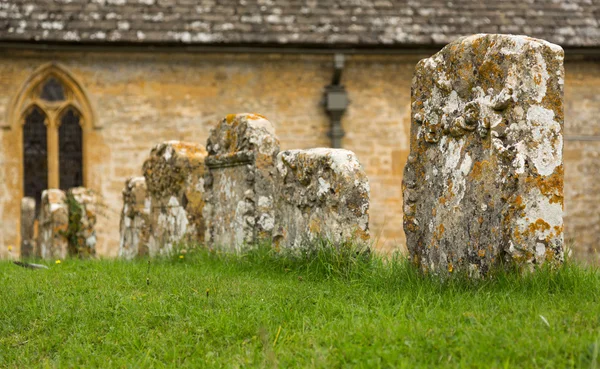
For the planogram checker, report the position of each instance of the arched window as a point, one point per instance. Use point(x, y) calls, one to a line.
point(54, 115)
point(35, 154)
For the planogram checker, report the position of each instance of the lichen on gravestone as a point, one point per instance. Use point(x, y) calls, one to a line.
point(27, 227)
point(239, 182)
point(135, 219)
point(174, 175)
point(53, 223)
point(483, 185)
point(322, 193)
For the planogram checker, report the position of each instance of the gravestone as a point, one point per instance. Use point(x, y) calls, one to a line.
point(27, 227)
point(484, 180)
point(174, 176)
point(83, 211)
point(321, 194)
point(53, 224)
point(239, 181)
point(134, 227)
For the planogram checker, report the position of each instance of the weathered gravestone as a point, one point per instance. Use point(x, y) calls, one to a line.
point(321, 194)
point(134, 227)
point(484, 179)
point(239, 182)
point(27, 227)
point(83, 207)
point(53, 225)
point(175, 182)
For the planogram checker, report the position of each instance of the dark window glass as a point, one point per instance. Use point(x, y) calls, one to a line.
point(52, 90)
point(70, 151)
point(35, 158)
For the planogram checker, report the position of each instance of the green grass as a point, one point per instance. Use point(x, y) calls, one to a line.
point(263, 311)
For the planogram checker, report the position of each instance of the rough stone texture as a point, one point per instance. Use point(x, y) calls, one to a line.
point(239, 182)
point(323, 22)
point(27, 227)
point(321, 193)
point(135, 219)
point(144, 98)
point(85, 236)
point(53, 223)
point(174, 176)
point(484, 181)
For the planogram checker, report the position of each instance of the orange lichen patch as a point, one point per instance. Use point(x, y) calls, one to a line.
point(539, 225)
point(481, 253)
point(479, 167)
point(255, 116)
point(314, 226)
point(550, 186)
point(360, 234)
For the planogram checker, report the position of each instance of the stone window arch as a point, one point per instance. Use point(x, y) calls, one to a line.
point(51, 103)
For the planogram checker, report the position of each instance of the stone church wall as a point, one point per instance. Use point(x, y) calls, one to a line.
point(140, 100)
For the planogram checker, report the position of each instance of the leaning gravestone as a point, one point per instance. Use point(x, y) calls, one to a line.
point(53, 225)
point(240, 181)
point(321, 193)
point(27, 227)
point(134, 228)
point(484, 179)
point(174, 176)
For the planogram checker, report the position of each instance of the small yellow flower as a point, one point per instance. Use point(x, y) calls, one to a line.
point(57, 261)
point(181, 256)
point(10, 248)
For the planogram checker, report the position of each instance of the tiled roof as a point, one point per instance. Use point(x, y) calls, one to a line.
point(373, 23)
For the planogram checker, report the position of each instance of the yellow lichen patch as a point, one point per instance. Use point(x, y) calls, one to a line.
point(230, 118)
point(450, 267)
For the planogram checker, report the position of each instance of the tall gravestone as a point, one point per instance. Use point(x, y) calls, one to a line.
point(84, 212)
point(321, 194)
point(134, 228)
point(239, 182)
point(27, 227)
point(174, 175)
point(484, 179)
point(53, 224)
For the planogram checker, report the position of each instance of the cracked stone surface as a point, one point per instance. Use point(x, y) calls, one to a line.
point(484, 179)
point(135, 219)
point(54, 220)
point(174, 175)
point(240, 181)
point(321, 192)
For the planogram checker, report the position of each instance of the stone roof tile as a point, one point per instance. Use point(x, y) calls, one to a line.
point(373, 23)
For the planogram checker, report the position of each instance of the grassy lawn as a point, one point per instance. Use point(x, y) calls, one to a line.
point(207, 310)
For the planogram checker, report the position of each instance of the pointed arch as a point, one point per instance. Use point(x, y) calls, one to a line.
point(52, 92)
point(30, 93)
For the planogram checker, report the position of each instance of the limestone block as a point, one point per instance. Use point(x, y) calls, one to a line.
point(484, 179)
point(321, 193)
point(84, 212)
point(135, 217)
point(240, 181)
point(174, 176)
point(53, 224)
point(27, 227)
